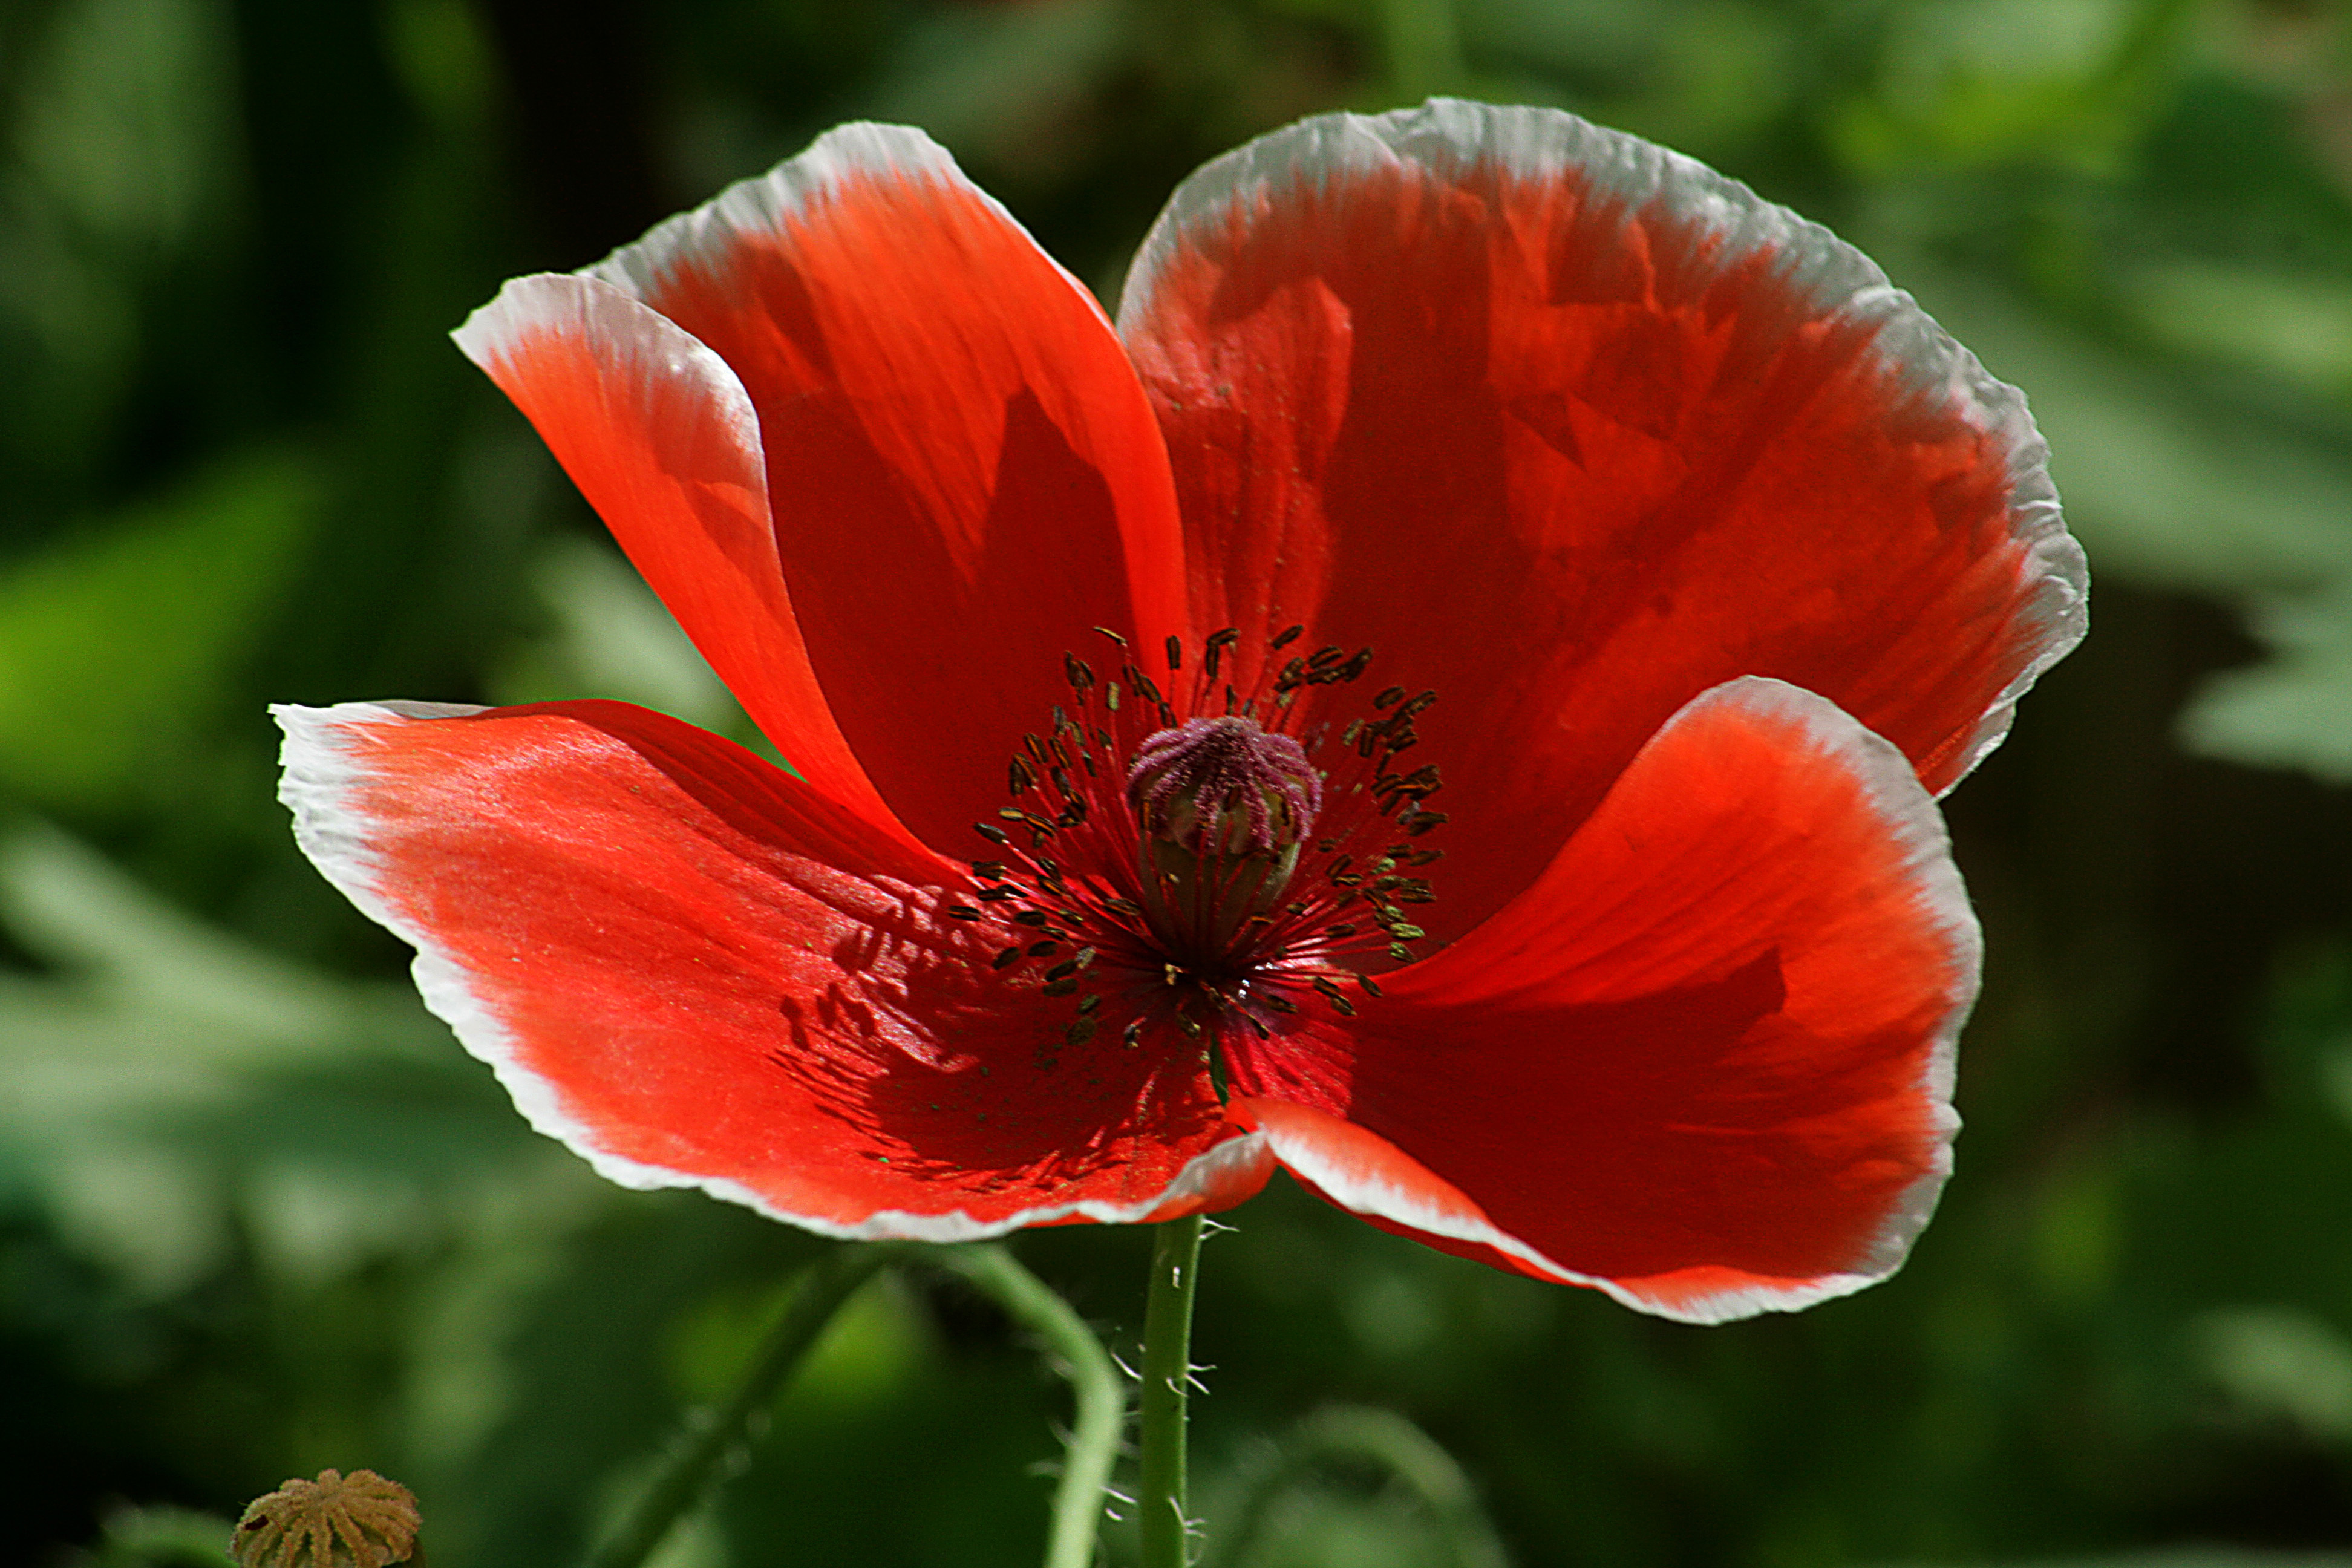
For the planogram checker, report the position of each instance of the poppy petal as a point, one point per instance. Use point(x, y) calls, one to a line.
point(695, 970)
point(660, 438)
point(1705, 1063)
point(1568, 428)
point(965, 475)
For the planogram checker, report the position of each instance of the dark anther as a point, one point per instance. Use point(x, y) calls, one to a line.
point(1090, 1002)
point(1327, 655)
point(1284, 638)
point(992, 870)
point(999, 894)
point(1332, 994)
point(1081, 677)
point(993, 835)
point(1214, 653)
point(1063, 970)
point(1039, 949)
point(1344, 929)
point(1030, 918)
point(1389, 698)
point(1079, 1033)
point(1371, 987)
point(1063, 986)
point(1131, 1036)
point(964, 912)
point(1007, 959)
point(1175, 654)
point(1112, 635)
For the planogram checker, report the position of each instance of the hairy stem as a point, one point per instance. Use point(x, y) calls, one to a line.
point(1167, 1370)
point(1381, 1442)
point(1080, 1357)
point(695, 1463)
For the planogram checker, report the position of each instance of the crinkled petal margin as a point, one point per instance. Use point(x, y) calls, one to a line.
point(318, 785)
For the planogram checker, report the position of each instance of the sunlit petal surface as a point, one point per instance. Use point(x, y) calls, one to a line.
point(1569, 428)
point(696, 971)
point(1705, 1061)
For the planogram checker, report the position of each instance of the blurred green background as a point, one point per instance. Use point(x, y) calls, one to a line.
point(258, 1215)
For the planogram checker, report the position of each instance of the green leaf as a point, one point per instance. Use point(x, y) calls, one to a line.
point(118, 644)
point(2294, 709)
point(2174, 490)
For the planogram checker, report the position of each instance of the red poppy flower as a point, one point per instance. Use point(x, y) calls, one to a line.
point(1685, 553)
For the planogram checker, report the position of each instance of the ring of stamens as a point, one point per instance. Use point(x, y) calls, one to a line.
point(1069, 893)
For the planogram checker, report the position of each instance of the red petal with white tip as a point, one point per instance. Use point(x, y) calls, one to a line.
point(658, 435)
point(1567, 428)
point(1704, 1063)
point(696, 970)
point(965, 474)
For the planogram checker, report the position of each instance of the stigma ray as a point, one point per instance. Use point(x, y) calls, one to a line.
point(1216, 862)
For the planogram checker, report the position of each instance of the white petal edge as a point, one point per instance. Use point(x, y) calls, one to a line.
point(1912, 819)
point(317, 779)
point(1446, 134)
point(767, 204)
point(624, 332)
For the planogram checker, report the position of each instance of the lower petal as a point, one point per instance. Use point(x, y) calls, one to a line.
point(696, 970)
point(1705, 1063)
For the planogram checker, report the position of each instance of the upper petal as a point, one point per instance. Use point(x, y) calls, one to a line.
point(1704, 1063)
point(1569, 428)
point(696, 970)
point(660, 438)
point(964, 473)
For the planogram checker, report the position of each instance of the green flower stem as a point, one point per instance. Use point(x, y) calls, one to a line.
point(1167, 1370)
point(691, 1467)
point(1101, 1399)
point(1377, 1440)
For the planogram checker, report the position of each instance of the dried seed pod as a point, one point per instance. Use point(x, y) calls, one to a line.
point(359, 1521)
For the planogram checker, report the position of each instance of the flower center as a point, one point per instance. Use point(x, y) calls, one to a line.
point(1223, 805)
point(1208, 858)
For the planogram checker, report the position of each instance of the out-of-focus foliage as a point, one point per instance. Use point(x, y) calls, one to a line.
point(258, 1215)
